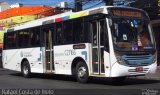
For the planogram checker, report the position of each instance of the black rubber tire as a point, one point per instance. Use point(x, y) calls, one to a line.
point(26, 70)
point(1, 66)
point(79, 70)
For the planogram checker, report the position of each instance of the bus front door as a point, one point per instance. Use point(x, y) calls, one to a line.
point(97, 27)
point(49, 58)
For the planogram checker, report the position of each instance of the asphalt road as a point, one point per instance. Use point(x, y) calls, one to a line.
point(67, 85)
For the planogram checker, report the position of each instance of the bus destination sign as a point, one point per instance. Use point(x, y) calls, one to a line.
point(127, 13)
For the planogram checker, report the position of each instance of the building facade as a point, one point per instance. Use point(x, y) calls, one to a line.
point(17, 5)
point(4, 6)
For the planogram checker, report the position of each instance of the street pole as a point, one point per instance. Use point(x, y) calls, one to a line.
point(108, 2)
point(78, 5)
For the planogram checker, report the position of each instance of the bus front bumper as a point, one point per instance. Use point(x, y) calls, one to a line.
point(119, 70)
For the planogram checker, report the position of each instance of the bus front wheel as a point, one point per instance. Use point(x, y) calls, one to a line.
point(25, 69)
point(82, 72)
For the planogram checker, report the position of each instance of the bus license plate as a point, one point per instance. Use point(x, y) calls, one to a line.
point(139, 69)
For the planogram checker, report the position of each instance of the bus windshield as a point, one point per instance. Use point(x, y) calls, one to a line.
point(131, 34)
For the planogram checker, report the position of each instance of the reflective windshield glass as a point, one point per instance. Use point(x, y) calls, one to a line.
point(131, 34)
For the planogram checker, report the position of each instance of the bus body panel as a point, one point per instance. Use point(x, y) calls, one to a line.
point(64, 56)
point(13, 58)
point(121, 70)
point(111, 49)
point(107, 64)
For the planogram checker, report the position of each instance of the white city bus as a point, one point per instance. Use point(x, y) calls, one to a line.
point(107, 41)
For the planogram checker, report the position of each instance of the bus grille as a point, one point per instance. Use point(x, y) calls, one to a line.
point(138, 60)
point(134, 72)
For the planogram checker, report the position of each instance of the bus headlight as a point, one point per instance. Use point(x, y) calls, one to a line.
point(119, 59)
point(154, 58)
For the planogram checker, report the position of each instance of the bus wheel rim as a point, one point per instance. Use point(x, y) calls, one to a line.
point(81, 72)
point(25, 70)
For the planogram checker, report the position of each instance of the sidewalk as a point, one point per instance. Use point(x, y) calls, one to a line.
point(155, 75)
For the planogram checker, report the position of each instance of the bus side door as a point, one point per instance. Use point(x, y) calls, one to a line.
point(99, 40)
point(48, 43)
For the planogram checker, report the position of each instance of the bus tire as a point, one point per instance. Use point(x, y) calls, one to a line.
point(82, 74)
point(1, 66)
point(25, 69)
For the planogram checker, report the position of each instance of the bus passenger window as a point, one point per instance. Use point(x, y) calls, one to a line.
point(78, 35)
point(23, 38)
point(87, 32)
point(11, 40)
point(68, 33)
point(35, 36)
point(59, 34)
point(26, 39)
point(20, 39)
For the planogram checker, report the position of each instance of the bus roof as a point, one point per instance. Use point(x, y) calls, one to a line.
point(66, 16)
